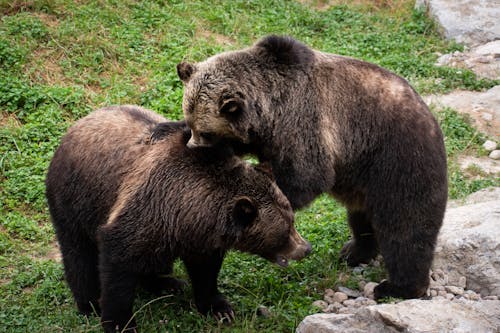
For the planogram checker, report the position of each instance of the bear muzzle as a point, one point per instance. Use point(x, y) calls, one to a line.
point(297, 249)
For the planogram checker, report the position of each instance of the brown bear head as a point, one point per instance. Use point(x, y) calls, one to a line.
point(264, 219)
point(231, 94)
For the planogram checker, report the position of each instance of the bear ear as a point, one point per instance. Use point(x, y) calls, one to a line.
point(233, 106)
point(284, 50)
point(185, 70)
point(244, 211)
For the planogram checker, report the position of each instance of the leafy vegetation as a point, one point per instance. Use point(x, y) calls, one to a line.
point(60, 59)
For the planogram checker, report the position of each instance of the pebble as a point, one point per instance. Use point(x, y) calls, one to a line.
point(320, 304)
point(490, 298)
point(442, 293)
point(349, 292)
point(490, 145)
point(263, 311)
point(334, 308)
point(361, 284)
point(454, 290)
point(368, 289)
point(339, 297)
point(449, 296)
point(351, 303)
point(495, 154)
point(358, 270)
point(462, 282)
point(433, 293)
point(328, 297)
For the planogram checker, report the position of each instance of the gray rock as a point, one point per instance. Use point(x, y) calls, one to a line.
point(413, 316)
point(339, 297)
point(471, 22)
point(469, 245)
point(454, 290)
point(320, 304)
point(349, 292)
point(495, 154)
point(490, 145)
point(369, 288)
point(462, 282)
point(473, 104)
point(334, 308)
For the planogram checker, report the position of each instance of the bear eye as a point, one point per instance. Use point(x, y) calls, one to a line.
point(207, 136)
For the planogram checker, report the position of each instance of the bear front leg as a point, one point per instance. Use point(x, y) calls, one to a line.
point(117, 297)
point(203, 272)
point(363, 246)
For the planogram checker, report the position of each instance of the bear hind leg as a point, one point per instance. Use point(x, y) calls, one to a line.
point(80, 259)
point(407, 246)
point(363, 246)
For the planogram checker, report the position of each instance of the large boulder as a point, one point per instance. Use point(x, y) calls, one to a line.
point(469, 243)
point(413, 316)
point(471, 22)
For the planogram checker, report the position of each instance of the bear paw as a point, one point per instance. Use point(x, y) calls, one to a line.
point(354, 254)
point(387, 289)
point(220, 309)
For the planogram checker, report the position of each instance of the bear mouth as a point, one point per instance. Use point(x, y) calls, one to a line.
point(281, 261)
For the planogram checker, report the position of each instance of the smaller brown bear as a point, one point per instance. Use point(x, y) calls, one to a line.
point(127, 197)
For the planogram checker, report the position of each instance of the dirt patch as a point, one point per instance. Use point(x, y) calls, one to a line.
point(54, 253)
point(373, 4)
point(47, 69)
point(215, 37)
point(9, 120)
point(50, 21)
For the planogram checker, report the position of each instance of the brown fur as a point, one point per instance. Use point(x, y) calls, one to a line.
point(127, 197)
point(328, 123)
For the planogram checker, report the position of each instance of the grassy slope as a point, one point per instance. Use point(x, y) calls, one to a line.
point(60, 59)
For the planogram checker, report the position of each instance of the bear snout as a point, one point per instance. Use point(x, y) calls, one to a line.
point(297, 249)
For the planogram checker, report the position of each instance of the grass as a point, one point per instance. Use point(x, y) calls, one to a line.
point(61, 59)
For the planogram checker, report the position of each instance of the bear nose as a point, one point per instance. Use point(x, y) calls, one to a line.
point(308, 248)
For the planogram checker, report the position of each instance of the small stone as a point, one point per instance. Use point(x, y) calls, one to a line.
point(361, 284)
point(433, 293)
point(349, 292)
point(358, 270)
point(328, 297)
point(263, 311)
point(370, 302)
point(490, 145)
point(442, 293)
point(345, 310)
point(462, 282)
point(495, 154)
point(333, 308)
point(449, 296)
point(438, 298)
point(350, 303)
point(490, 298)
point(454, 290)
point(339, 297)
point(368, 290)
point(439, 277)
point(469, 294)
point(329, 292)
point(322, 305)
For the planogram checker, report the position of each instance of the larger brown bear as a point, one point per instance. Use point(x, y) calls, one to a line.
point(329, 123)
point(127, 197)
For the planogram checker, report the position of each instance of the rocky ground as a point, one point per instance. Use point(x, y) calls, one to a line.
point(463, 295)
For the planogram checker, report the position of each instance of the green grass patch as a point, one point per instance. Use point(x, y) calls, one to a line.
point(60, 59)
